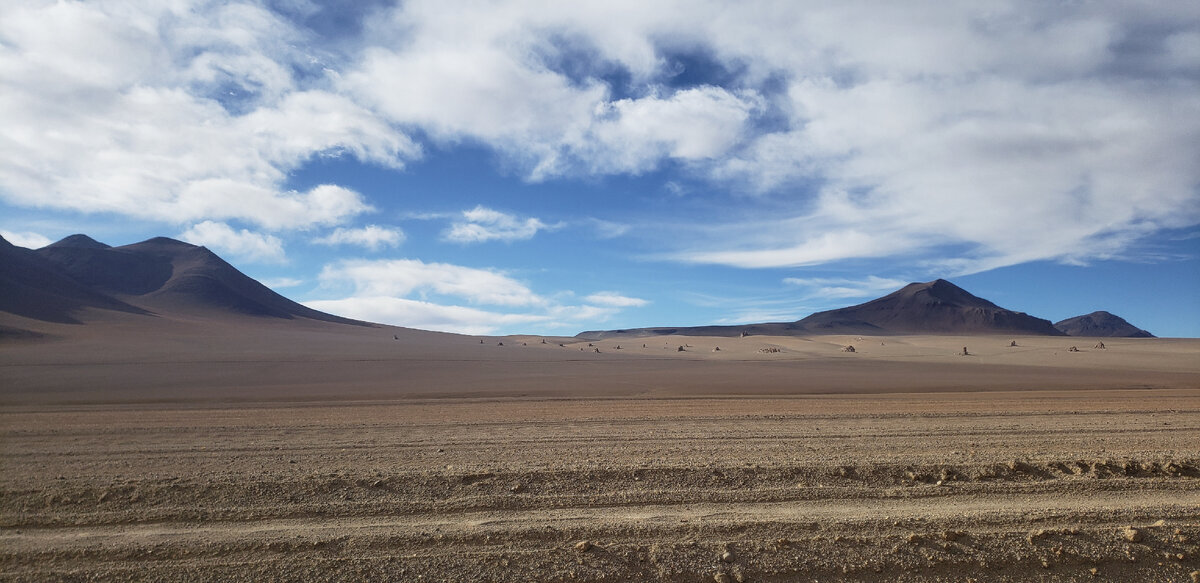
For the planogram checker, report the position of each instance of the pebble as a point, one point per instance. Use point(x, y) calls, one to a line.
point(722, 578)
point(1132, 534)
point(728, 556)
point(584, 546)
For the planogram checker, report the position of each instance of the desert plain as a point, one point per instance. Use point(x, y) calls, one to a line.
point(256, 449)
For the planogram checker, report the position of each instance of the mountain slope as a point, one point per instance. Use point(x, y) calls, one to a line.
point(935, 307)
point(34, 288)
point(160, 276)
point(1101, 324)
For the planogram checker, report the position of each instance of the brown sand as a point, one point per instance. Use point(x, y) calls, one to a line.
point(216, 451)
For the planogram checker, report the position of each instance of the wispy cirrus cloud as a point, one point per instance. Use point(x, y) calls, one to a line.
point(836, 287)
point(614, 299)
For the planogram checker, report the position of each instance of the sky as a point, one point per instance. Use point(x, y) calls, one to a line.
point(551, 167)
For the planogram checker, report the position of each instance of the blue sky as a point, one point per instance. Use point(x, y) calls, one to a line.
point(552, 167)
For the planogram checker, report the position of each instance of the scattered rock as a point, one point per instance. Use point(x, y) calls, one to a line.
point(1094, 571)
point(1195, 576)
point(584, 546)
point(848, 348)
point(1038, 534)
point(728, 557)
point(1132, 534)
point(722, 578)
point(517, 487)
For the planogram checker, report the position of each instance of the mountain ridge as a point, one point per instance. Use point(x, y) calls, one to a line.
point(155, 277)
point(933, 307)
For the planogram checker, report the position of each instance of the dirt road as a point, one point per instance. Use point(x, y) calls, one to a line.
point(911, 487)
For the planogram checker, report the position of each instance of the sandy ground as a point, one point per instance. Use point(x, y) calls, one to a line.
point(201, 451)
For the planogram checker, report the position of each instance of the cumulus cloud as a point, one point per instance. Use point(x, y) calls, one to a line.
point(27, 239)
point(430, 296)
point(401, 277)
point(174, 112)
point(423, 315)
point(976, 135)
point(373, 237)
point(482, 224)
point(242, 244)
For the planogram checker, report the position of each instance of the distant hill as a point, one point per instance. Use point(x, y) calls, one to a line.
point(935, 307)
point(159, 276)
point(1101, 324)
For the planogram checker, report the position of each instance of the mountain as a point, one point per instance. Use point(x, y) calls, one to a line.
point(34, 288)
point(1101, 324)
point(935, 307)
point(159, 276)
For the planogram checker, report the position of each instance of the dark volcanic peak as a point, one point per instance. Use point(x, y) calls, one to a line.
point(78, 241)
point(160, 275)
point(1101, 324)
point(935, 307)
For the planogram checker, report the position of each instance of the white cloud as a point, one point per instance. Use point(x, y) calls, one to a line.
point(415, 294)
point(402, 277)
point(974, 134)
point(174, 112)
point(829, 288)
point(423, 315)
point(243, 244)
point(372, 237)
point(614, 299)
point(27, 239)
point(633, 135)
point(482, 224)
point(281, 282)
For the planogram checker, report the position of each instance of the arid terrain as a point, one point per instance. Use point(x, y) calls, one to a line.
point(209, 450)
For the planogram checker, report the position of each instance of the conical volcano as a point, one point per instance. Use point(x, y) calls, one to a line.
point(935, 307)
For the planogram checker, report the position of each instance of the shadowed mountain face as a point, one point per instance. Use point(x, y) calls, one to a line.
point(1101, 324)
point(159, 276)
point(34, 288)
point(936, 307)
